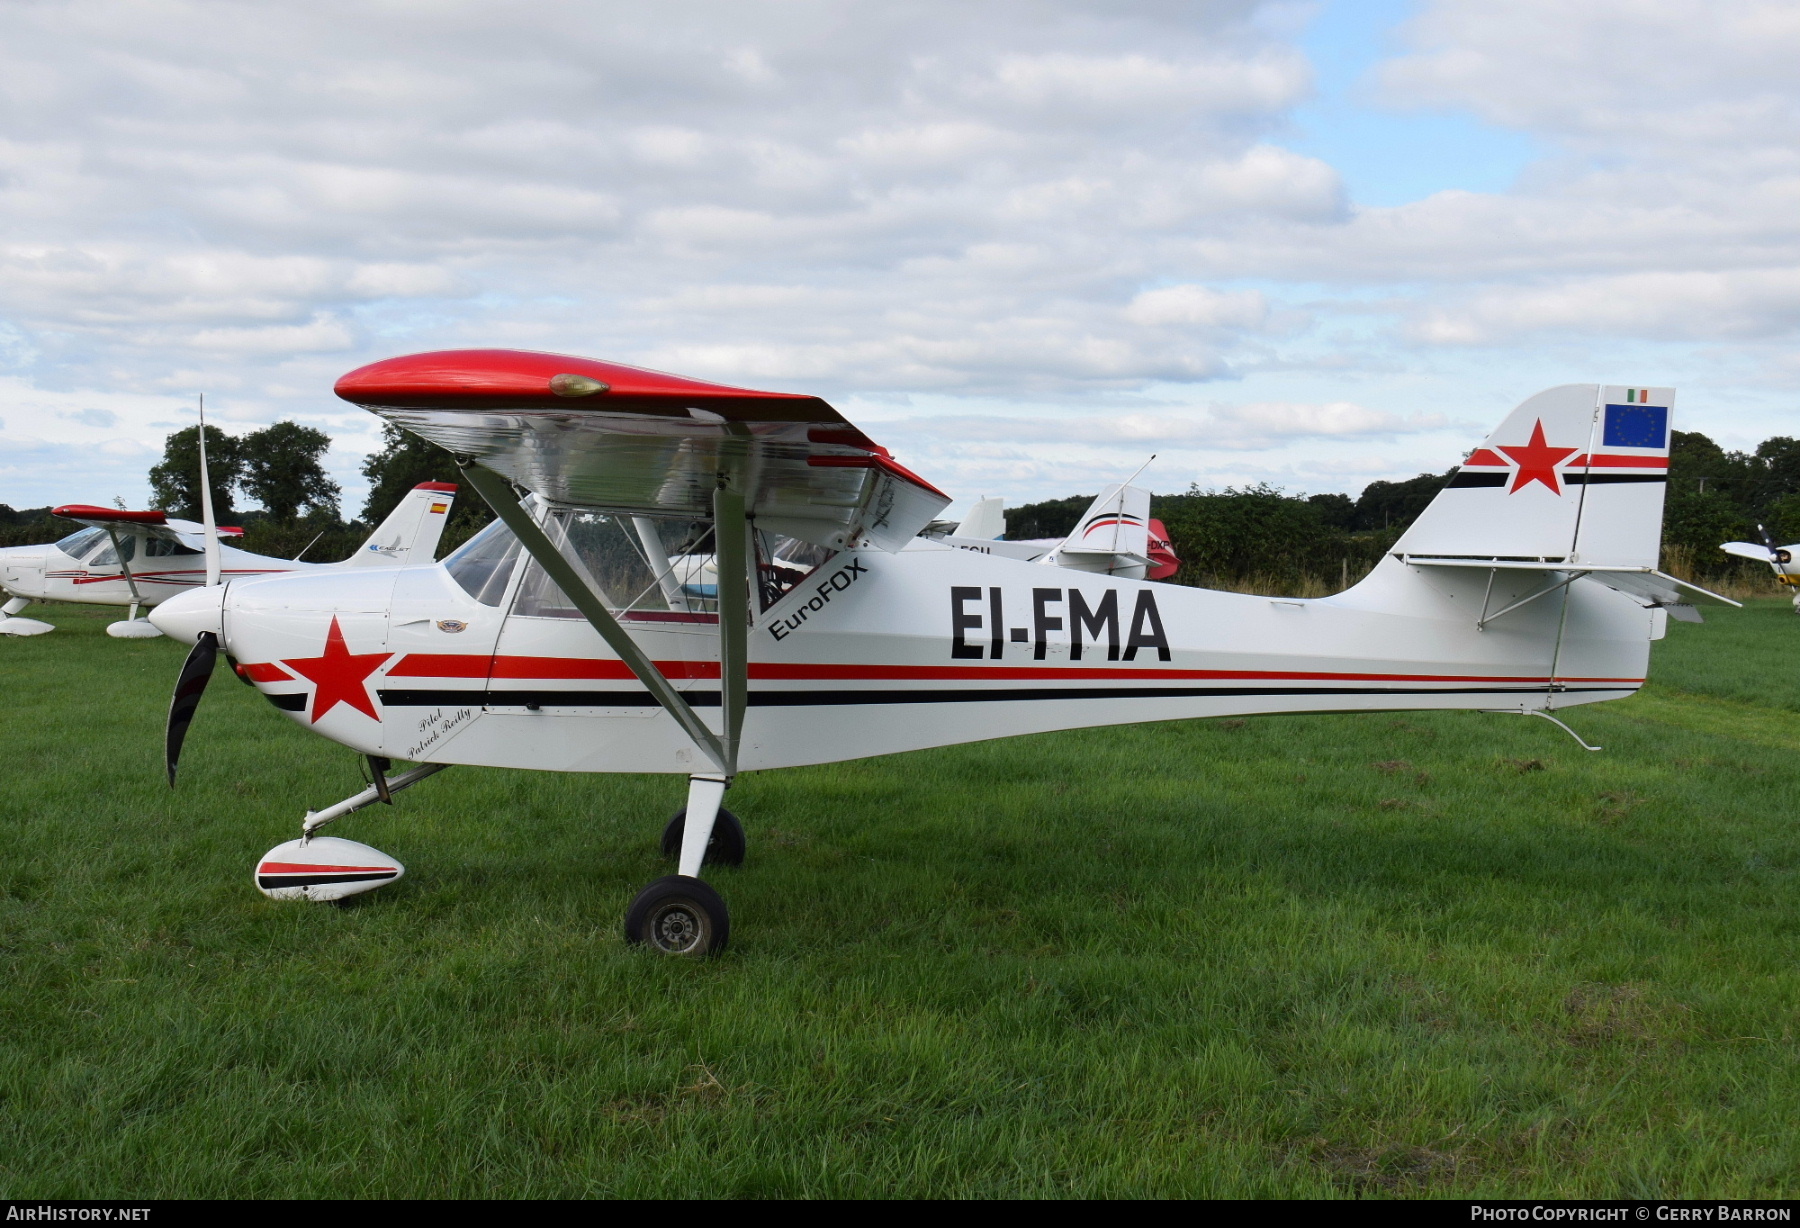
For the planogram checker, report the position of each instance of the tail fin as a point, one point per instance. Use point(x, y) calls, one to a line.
point(411, 531)
point(986, 520)
point(1575, 474)
point(1112, 537)
point(1572, 483)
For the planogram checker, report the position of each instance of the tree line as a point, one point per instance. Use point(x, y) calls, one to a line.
point(1263, 539)
point(282, 469)
point(1257, 537)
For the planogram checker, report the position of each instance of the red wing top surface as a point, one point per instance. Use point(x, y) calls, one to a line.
point(598, 434)
point(152, 523)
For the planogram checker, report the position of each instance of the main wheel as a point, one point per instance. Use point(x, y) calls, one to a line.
point(679, 916)
point(726, 847)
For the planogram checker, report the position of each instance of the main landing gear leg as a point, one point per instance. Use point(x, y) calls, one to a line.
point(681, 914)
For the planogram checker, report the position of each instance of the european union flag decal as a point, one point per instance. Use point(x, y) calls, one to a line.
point(1636, 426)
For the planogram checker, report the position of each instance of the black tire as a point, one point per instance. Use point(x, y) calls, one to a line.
point(726, 847)
point(679, 916)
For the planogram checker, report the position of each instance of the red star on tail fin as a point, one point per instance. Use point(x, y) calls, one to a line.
point(1537, 461)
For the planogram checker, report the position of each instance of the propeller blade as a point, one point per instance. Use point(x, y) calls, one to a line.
point(196, 672)
point(208, 525)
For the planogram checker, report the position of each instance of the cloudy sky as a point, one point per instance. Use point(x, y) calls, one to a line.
point(1025, 244)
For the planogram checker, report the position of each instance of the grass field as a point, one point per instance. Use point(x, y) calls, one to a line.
point(1428, 954)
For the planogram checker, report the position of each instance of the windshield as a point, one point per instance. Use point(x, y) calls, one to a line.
point(484, 563)
point(77, 544)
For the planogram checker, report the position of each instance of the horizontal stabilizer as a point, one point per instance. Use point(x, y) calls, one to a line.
point(1649, 586)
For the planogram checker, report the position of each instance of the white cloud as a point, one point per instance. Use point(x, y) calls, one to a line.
point(1198, 305)
point(1256, 426)
point(1049, 203)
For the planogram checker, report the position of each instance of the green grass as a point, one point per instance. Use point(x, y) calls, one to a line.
point(1427, 954)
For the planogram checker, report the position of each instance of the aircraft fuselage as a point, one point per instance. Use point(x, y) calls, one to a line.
point(876, 652)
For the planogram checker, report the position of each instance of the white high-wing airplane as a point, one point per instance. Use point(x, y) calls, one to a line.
point(144, 558)
point(552, 640)
point(1779, 558)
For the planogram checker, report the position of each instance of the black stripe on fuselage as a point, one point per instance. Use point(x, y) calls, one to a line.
point(964, 695)
point(315, 880)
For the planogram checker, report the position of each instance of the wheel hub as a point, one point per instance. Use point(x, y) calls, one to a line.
point(678, 928)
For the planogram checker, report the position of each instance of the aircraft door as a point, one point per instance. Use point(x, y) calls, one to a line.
point(106, 567)
point(649, 572)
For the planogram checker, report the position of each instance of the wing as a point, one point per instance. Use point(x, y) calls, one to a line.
point(150, 524)
point(598, 434)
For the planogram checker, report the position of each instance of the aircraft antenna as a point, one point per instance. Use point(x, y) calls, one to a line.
point(1140, 470)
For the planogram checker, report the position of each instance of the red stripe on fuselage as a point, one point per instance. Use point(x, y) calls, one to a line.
point(289, 867)
point(265, 672)
point(157, 577)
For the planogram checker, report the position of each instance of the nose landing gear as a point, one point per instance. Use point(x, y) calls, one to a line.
point(325, 868)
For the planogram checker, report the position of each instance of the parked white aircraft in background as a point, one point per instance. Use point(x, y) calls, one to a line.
point(144, 558)
point(552, 641)
point(1779, 558)
point(1116, 536)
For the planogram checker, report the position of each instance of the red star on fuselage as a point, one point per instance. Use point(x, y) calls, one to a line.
point(339, 676)
point(1537, 461)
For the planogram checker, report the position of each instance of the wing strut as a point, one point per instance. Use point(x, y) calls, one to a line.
point(125, 566)
point(733, 616)
point(730, 535)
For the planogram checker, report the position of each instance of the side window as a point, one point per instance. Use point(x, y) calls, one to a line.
point(166, 547)
point(644, 565)
point(783, 562)
point(79, 543)
point(483, 565)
